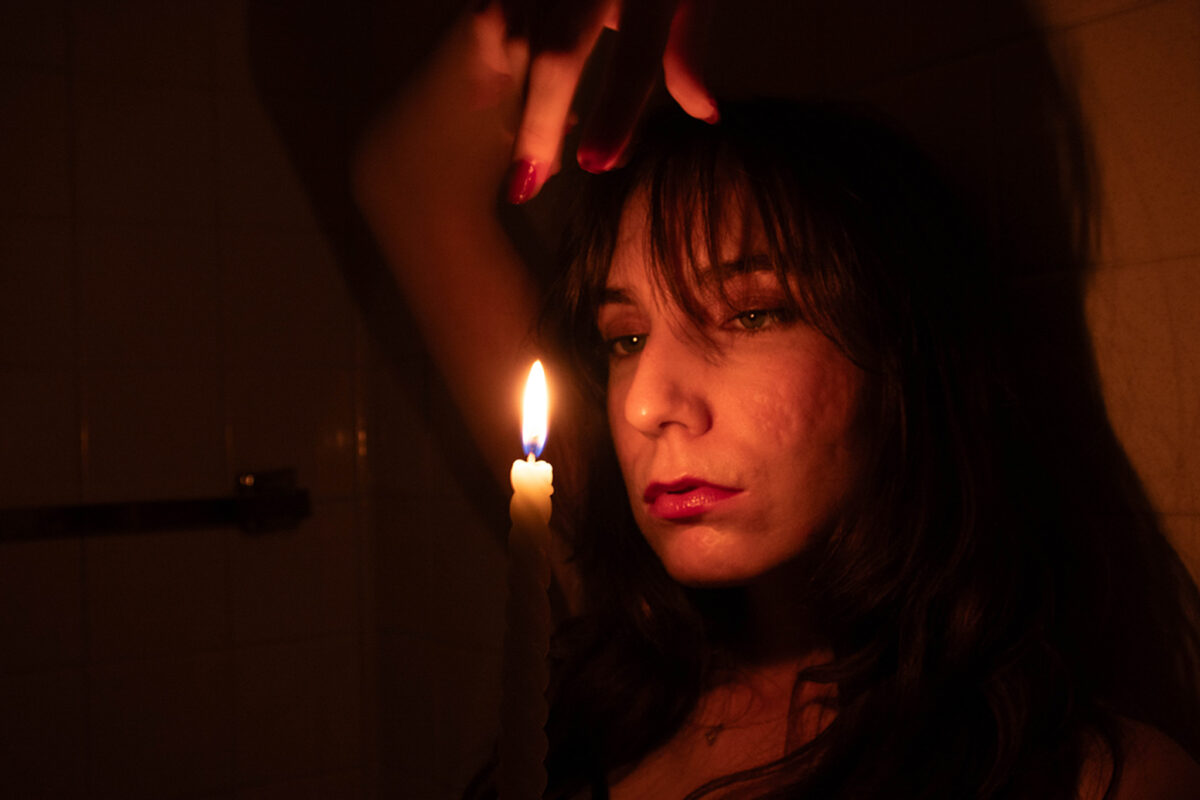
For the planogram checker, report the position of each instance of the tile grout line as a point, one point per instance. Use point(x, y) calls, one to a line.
point(81, 404)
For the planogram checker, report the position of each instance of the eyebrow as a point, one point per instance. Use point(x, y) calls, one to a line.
point(613, 295)
point(744, 265)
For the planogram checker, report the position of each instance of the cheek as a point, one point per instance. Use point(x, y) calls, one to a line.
point(770, 416)
point(800, 405)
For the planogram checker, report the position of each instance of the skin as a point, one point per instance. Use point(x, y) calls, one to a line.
point(772, 412)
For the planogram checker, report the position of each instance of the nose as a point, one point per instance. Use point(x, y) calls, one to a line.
point(667, 389)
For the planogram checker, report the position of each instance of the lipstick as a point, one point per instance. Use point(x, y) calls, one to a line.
point(686, 497)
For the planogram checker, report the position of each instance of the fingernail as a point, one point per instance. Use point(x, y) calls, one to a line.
point(714, 117)
point(522, 182)
point(593, 161)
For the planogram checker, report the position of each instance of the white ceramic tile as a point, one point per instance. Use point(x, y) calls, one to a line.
point(1140, 93)
point(402, 564)
point(148, 296)
point(33, 128)
point(298, 709)
point(301, 419)
point(154, 434)
point(42, 623)
point(468, 566)
point(469, 712)
point(142, 42)
point(43, 729)
point(231, 56)
point(341, 785)
point(33, 32)
point(40, 459)
point(145, 154)
point(1145, 324)
point(285, 302)
point(297, 583)
point(162, 727)
point(408, 712)
point(153, 594)
point(37, 321)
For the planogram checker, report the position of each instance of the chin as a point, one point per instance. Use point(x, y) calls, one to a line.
point(695, 558)
point(710, 557)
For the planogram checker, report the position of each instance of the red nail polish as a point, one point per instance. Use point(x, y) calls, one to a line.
point(522, 181)
point(592, 161)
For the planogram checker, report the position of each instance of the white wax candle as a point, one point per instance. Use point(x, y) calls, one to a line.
point(523, 709)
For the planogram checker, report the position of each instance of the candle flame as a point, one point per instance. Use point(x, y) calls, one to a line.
point(535, 413)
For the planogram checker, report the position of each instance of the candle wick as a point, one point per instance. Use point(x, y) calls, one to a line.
point(531, 458)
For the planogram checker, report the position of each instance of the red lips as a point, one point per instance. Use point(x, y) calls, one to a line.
point(685, 497)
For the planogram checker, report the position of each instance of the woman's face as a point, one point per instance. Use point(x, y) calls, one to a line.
point(735, 452)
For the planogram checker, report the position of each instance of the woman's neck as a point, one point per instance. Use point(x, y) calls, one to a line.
point(781, 627)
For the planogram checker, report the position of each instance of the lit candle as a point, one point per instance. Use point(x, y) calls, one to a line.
point(523, 709)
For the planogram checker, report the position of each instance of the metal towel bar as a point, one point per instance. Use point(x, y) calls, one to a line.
point(263, 501)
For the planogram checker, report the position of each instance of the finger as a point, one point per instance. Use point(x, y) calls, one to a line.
point(499, 65)
point(562, 26)
point(516, 53)
point(645, 26)
point(489, 29)
point(553, 77)
point(682, 60)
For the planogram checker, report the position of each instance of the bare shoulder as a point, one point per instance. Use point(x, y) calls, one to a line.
point(1155, 768)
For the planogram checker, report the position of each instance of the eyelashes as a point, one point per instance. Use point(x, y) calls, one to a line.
point(757, 319)
point(751, 321)
point(738, 306)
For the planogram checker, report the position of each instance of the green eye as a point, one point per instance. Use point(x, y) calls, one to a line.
point(756, 319)
point(626, 345)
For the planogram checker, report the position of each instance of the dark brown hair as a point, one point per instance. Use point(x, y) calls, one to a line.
point(998, 591)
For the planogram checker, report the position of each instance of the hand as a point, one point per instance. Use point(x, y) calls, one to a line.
point(561, 36)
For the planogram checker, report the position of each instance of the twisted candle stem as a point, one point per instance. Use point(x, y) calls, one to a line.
point(523, 707)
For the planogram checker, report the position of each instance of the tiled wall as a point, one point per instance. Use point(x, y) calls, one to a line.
point(1140, 84)
point(170, 314)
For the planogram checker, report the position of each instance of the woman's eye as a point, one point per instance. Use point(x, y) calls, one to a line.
point(758, 318)
point(625, 345)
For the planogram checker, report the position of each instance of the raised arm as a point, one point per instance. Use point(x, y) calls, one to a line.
point(426, 178)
